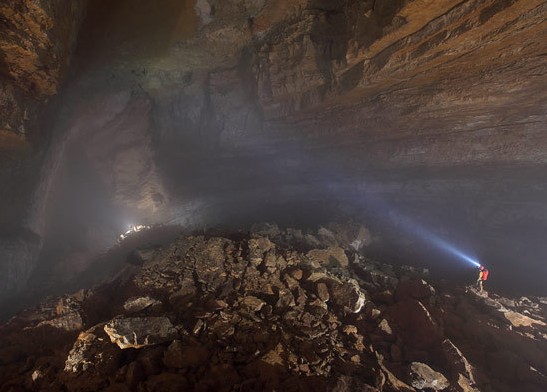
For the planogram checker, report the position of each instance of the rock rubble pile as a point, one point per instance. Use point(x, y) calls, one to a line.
point(257, 314)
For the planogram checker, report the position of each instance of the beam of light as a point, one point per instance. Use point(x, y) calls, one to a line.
point(442, 244)
point(419, 231)
point(437, 241)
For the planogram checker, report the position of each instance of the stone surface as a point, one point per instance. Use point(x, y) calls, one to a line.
point(423, 377)
point(137, 304)
point(243, 325)
point(349, 295)
point(330, 256)
point(208, 112)
point(92, 352)
point(417, 289)
point(140, 332)
point(37, 41)
point(457, 363)
point(520, 320)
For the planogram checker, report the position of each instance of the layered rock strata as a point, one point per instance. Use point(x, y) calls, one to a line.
point(213, 110)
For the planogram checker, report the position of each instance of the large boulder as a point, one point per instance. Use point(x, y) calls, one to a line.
point(412, 320)
point(456, 362)
point(138, 332)
point(92, 351)
point(520, 320)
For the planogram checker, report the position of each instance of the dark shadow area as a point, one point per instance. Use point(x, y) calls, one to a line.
point(132, 29)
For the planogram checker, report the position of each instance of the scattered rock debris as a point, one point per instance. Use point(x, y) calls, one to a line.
point(254, 314)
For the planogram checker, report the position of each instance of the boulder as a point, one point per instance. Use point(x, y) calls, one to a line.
point(258, 248)
point(92, 352)
point(138, 332)
point(331, 257)
point(136, 304)
point(520, 320)
point(414, 288)
point(412, 320)
point(463, 384)
point(71, 321)
point(322, 292)
point(348, 295)
point(390, 380)
point(252, 304)
point(456, 362)
point(421, 376)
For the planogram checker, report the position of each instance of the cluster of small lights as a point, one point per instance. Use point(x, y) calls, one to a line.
point(133, 229)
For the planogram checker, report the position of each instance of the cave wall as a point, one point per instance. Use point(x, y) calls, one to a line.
point(206, 112)
point(37, 39)
point(36, 42)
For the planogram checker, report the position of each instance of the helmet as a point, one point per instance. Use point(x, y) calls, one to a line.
point(481, 267)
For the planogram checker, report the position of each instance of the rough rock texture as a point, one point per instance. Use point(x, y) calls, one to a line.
point(207, 111)
point(423, 377)
point(226, 318)
point(140, 332)
point(36, 42)
point(37, 39)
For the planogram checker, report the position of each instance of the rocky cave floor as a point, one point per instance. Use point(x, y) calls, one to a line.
point(274, 310)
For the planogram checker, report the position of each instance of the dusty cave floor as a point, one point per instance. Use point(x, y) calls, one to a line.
point(274, 310)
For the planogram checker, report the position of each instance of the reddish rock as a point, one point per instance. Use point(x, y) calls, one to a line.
point(414, 288)
point(412, 320)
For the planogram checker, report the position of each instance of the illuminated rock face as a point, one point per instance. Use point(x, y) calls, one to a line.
point(36, 42)
point(204, 112)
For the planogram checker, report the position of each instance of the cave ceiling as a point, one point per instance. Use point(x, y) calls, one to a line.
point(197, 112)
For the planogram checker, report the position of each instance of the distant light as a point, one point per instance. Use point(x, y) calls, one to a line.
point(133, 229)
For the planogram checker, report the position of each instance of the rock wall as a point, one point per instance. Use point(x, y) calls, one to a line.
point(37, 39)
point(235, 111)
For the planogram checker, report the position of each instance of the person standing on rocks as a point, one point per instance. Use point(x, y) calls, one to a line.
point(483, 275)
